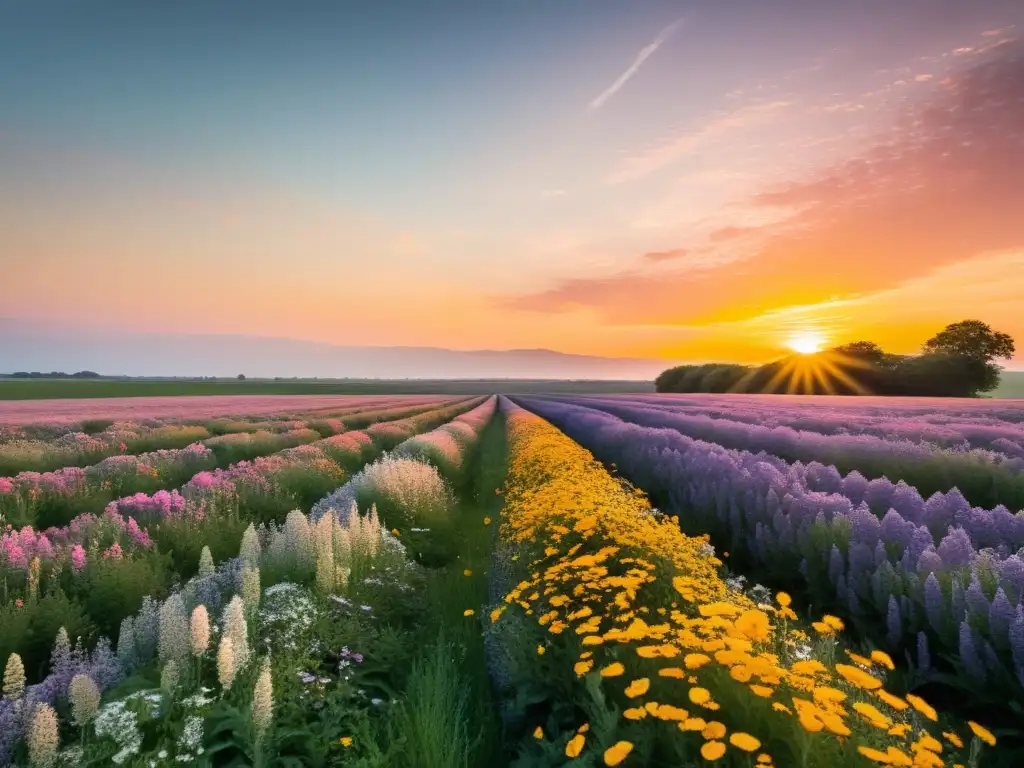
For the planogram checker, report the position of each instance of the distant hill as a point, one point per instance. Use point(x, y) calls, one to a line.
point(37, 347)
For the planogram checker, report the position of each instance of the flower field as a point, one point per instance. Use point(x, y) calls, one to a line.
point(434, 582)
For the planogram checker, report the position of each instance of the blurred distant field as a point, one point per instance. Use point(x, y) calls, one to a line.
point(47, 389)
point(1011, 385)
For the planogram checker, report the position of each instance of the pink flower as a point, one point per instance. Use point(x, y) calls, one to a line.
point(19, 602)
point(77, 557)
point(114, 552)
point(124, 447)
point(6, 485)
point(139, 535)
point(13, 552)
point(44, 549)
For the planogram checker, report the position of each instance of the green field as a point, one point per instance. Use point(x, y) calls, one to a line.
point(42, 389)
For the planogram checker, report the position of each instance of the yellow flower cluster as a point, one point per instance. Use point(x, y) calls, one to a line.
point(628, 591)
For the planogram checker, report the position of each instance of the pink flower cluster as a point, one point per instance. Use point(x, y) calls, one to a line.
point(18, 548)
point(62, 482)
point(162, 505)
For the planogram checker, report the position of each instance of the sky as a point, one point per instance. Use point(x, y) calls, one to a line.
point(690, 180)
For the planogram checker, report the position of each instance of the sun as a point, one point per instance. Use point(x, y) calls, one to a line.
point(807, 343)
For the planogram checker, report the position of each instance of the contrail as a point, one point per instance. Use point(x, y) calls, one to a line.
point(641, 57)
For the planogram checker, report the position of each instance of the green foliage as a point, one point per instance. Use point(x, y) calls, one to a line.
point(112, 589)
point(971, 339)
point(29, 630)
point(433, 714)
point(93, 426)
point(183, 540)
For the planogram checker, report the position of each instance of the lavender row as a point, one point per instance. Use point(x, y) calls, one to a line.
point(983, 477)
point(910, 589)
point(942, 430)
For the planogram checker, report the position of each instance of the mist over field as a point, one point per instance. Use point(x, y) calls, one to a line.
point(36, 347)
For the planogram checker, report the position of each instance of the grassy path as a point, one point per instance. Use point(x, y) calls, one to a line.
point(452, 717)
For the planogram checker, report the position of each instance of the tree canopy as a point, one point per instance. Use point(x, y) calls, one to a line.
point(956, 362)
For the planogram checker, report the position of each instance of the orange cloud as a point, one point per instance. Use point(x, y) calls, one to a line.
point(675, 253)
point(940, 189)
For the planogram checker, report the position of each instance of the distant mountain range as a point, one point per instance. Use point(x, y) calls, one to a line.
point(26, 346)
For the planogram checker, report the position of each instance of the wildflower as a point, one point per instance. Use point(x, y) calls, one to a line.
point(540, 650)
point(467, 572)
point(713, 730)
point(712, 750)
point(922, 706)
point(169, 676)
point(744, 741)
point(174, 629)
point(85, 699)
point(468, 612)
point(263, 699)
point(249, 551)
point(538, 732)
point(882, 658)
point(250, 587)
point(638, 687)
point(613, 670)
point(200, 626)
point(487, 521)
point(206, 566)
point(14, 678)
point(575, 745)
point(858, 677)
point(753, 625)
point(235, 628)
point(43, 737)
point(981, 732)
point(699, 695)
point(225, 663)
point(783, 599)
point(616, 753)
point(345, 741)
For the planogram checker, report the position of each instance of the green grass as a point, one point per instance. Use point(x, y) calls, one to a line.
point(1011, 385)
point(45, 389)
point(450, 594)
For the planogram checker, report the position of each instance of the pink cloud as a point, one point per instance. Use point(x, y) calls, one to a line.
point(675, 253)
point(672, 150)
point(941, 187)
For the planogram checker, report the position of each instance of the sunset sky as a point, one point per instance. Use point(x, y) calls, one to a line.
point(689, 180)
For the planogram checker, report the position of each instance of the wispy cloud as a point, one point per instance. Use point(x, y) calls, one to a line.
point(675, 253)
point(668, 152)
point(645, 53)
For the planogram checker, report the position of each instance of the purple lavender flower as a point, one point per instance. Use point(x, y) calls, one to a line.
point(836, 567)
point(1001, 615)
point(969, 653)
point(977, 603)
point(933, 602)
point(955, 549)
point(924, 658)
point(893, 622)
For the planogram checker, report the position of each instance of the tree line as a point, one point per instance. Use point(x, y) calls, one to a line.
point(956, 362)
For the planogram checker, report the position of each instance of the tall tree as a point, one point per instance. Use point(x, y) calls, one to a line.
point(971, 339)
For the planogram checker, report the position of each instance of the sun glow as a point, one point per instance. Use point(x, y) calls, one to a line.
point(807, 343)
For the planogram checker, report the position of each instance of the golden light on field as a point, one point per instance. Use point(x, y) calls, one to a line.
point(806, 343)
